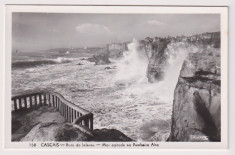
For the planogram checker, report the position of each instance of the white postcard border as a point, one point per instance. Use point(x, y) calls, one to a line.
point(124, 9)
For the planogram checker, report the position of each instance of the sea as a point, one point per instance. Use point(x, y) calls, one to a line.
point(118, 94)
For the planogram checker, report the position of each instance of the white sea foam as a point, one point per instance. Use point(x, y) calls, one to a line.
point(133, 68)
point(63, 59)
point(134, 64)
point(59, 59)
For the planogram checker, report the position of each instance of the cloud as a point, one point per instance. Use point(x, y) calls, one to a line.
point(155, 22)
point(88, 27)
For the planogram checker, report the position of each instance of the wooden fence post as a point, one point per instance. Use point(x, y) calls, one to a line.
point(25, 102)
point(30, 102)
point(35, 101)
point(49, 100)
point(91, 122)
point(20, 106)
point(40, 99)
point(45, 99)
point(86, 122)
point(74, 114)
point(71, 114)
point(15, 105)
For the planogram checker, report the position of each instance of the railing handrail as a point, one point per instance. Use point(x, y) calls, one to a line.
point(72, 112)
point(25, 95)
point(70, 104)
point(79, 119)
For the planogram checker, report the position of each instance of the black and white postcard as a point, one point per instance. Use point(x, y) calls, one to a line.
point(116, 77)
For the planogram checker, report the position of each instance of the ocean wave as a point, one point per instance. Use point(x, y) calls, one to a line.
point(35, 63)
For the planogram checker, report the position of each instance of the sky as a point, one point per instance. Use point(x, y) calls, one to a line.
point(42, 31)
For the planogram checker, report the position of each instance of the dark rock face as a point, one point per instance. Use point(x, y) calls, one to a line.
point(107, 68)
point(196, 105)
point(79, 64)
point(155, 50)
point(55, 132)
point(112, 51)
point(47, 124)
point(109, 135)
point(66, 132)
point(101, 59)
point(27, 121)
point(115, 50)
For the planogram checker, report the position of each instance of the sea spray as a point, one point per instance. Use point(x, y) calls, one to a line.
point(134, 64)
point(161, 93)
point(133, 67)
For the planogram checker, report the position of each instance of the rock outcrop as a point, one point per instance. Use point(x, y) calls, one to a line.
point(53, 131)
point(111, 51)
point(46, 124)
point(115, 50)
point(196, 105)
point(109, 135)
point(155, 49)
point(101, 59)
point(25, 121)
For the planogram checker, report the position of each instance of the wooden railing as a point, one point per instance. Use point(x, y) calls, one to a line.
point(72, 113)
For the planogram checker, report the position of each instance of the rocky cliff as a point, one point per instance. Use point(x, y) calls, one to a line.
point(156, 50)
point(100, 59)
point(115, 50)
point(111, 51)
point(196, 105)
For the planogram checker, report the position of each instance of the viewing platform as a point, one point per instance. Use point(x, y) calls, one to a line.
point(73, 114)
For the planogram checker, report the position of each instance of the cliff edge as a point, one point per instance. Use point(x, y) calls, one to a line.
point(156, 50)
point(196, 105)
